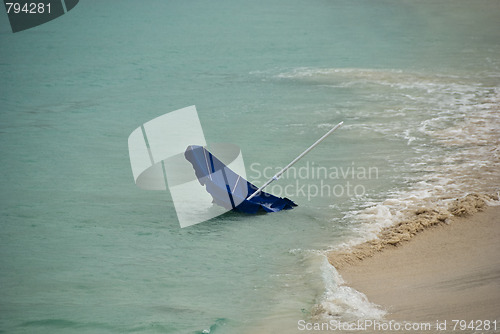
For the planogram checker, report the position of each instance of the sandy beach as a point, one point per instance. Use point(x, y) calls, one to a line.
point(447, 271)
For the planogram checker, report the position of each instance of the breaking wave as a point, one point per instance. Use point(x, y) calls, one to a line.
point(451, 127)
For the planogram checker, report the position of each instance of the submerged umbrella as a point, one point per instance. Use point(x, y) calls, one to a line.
point(232, 191)
point(229, 189)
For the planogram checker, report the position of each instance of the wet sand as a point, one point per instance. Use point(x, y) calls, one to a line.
point(446, 271)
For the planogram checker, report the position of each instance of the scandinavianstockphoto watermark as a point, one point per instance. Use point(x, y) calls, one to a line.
point(25, 14)
point(364, 325)
point(158, 152)
point(314, 180)
point(393, 326)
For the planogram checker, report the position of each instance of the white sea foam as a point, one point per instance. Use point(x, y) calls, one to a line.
point(450, 124)
point(341, 302)
point(336, 300)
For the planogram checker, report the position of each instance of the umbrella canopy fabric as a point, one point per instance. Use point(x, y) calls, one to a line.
point(229, 189)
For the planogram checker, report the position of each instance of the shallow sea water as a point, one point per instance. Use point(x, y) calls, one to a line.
point(83, 250)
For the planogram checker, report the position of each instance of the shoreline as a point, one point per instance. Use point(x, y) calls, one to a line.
point(436, 266)
point(402, 232)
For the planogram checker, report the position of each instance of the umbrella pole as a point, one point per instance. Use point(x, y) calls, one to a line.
point(277, 176)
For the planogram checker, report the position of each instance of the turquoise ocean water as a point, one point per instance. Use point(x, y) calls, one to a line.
point(83, 250)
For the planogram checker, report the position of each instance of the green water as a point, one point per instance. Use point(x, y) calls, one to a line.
point(83, 250)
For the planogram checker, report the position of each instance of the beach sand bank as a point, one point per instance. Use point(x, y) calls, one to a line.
point(448, 270)
point(435, 266)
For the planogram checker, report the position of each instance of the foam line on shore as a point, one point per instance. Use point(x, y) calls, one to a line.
point(405, 230)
